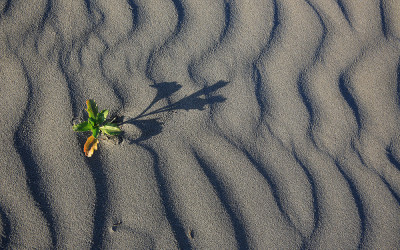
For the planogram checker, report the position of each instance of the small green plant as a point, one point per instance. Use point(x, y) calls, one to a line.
point(97, 122)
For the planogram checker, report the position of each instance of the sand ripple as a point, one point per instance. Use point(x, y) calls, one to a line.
point(247, 124)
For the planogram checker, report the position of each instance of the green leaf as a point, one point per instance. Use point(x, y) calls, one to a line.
point(95, 132)
point(92, 108)
point(105, 113)
point(83, 126)
point(112, 124)
point(111, 129)
point(92, 121)
point(102, 116)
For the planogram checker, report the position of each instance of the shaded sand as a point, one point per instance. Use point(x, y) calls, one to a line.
point(262, 124)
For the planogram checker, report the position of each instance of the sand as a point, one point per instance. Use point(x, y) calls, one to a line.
point(250, 124)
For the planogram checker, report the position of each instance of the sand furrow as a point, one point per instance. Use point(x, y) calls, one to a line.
point(366, 184)
point(121, 210)
point(240, 232)
point(337, 215)
point(391, 20)
point(53, 184)
point(237, 69)
point(174, 221)
point(291, 184)
point(23, 218)
point(349, 98)
point(257, 209)
point(360, 204)
point(5, 229)
point(197, 23)
point(196, 203)
point(21, 144)
point(47, 189)
point(280, 67)
point(99, 214)
point(125, 65)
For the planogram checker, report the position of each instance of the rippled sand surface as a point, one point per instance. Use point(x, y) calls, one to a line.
point(261, 124)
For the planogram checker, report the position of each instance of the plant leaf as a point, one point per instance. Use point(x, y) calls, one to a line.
point(105, 113)
point(102, 116)
point(110, 129)
point(95, 132)
point(92, 108)
point(90, 146)
point(83, 126)
point(92, 121)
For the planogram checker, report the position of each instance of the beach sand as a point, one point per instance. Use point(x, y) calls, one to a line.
point(250, 124)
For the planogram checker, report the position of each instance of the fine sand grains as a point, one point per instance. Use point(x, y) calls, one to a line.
point(250, 124)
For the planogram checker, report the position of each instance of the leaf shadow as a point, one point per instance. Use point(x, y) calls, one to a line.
point(196, 101)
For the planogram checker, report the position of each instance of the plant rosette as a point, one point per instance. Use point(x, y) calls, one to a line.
point(97, 123)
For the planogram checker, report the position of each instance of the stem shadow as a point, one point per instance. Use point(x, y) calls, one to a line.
point(196, 101)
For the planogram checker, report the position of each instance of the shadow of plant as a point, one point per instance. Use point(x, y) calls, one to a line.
point(197, 100)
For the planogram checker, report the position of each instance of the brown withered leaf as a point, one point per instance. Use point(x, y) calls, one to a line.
point(90, 146)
